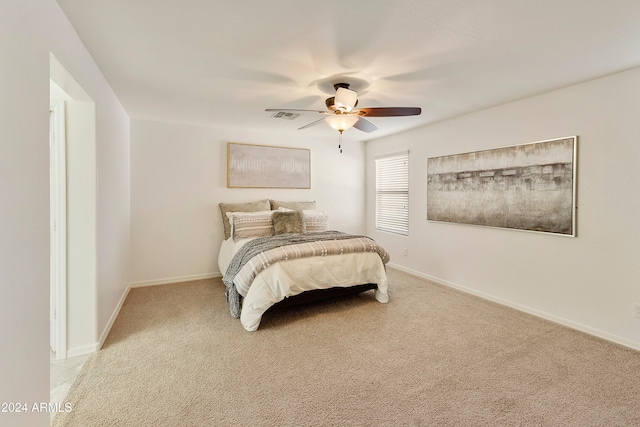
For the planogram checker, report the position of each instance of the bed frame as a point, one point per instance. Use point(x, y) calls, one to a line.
point(323, 294)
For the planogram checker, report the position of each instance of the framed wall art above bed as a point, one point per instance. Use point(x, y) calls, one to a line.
point(263, 166)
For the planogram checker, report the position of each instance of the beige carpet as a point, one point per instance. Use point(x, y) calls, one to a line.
point(432, 356)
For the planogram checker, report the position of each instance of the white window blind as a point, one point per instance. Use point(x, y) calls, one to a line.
point(392, 193)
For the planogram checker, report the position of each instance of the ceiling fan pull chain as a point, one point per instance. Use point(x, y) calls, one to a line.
point(340, 143)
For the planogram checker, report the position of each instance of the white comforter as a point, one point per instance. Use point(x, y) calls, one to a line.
point(291, 277)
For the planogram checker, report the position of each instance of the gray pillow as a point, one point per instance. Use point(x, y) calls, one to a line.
point(296, 206)
point(262, 205)
point(288, 222)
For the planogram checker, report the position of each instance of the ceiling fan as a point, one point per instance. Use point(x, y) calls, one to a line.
point(342, 113)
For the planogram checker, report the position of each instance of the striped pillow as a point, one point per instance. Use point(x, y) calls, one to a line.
point(245, 225)
point(315, 221)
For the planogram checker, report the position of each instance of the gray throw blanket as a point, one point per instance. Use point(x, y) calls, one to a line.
point(262, 244)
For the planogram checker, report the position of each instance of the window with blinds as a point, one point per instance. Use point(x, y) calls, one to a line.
point(392, 193)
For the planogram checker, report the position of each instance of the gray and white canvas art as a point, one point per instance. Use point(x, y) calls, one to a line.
point(261, 166)
point(527, 187)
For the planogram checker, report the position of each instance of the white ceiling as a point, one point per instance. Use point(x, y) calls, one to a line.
point(221, 63)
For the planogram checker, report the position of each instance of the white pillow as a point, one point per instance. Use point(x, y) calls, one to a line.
point(315, 220)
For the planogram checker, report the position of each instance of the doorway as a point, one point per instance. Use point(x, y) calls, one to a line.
point(73, 308)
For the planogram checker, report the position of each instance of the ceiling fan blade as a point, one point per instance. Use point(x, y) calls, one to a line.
point(312, 124)
point(296, 110)
point(365, 125)
point(390, 111)
point(345, 99)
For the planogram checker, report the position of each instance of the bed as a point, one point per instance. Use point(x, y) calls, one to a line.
point(281, 253)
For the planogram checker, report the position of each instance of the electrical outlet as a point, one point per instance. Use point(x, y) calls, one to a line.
point(405, 252)
point(636, 310)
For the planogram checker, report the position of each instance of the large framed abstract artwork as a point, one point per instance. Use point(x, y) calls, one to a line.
point(262, 166)
point(528, 187)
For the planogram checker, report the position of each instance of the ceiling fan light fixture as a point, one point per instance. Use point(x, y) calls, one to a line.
point(342, 122)
point(345, 99)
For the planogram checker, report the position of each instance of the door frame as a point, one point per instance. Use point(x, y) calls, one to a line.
point(58, 231)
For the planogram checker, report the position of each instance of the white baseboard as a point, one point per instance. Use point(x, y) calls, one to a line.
point(91, 348)
point(170, 280)
point(84, 350)
point(113, 317)
point(553, 318)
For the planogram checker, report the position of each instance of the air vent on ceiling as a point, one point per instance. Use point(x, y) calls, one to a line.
point(284, 115)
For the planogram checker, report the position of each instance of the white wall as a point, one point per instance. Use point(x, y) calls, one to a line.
point(588, 282)
point(81, 225)
point(179, 175)
point(29, 32)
